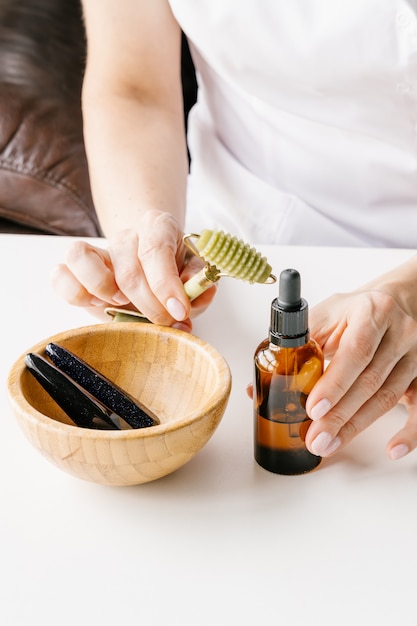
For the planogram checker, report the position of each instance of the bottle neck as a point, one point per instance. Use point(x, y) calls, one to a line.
point(289, 342)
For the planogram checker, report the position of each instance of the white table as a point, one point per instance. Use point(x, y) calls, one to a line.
point(220, 541)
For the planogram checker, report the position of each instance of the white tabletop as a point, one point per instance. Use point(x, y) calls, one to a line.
point(221, 541)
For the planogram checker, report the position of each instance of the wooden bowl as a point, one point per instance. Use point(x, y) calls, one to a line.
point(181, 378)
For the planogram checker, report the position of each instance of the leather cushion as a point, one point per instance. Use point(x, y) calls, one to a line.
point(44, 182)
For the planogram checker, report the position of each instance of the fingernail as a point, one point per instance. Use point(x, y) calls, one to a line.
point(120, 298)
point(399, 451)
point(324, 444)
point(180, 326)
point(176, 309)
point(320, 409)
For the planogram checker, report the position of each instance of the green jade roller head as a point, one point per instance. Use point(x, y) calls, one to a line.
point(225, 255)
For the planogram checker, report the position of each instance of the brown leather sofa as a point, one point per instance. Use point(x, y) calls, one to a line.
point(44, 185)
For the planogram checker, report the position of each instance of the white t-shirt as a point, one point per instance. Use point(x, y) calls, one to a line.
point(305, 130)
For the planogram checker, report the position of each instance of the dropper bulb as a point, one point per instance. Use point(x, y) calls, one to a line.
point(289, 298)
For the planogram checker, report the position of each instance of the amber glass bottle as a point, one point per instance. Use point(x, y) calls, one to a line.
point(287, 365)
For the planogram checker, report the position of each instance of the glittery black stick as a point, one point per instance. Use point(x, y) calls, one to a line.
point(84, 410)
point(101, 387)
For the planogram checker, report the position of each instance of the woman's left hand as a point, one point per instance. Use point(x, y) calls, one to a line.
point(371, 343)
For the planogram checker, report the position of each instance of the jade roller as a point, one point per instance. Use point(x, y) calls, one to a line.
point(224, 255)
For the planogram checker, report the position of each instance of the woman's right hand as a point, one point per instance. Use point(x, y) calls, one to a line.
point(133, 120)
point(144, 269)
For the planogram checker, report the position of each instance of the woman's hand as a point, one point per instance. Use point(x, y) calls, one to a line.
point(371, 343)
point(145, 269)
point(369, 337)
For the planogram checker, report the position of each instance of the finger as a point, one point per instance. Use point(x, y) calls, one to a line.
point(358, 345)
point(161, 260)
point(92, 268)
point(249, 390)
point(133, 281)
point(406, 439)
point(200, 304)
point(321, 327)
point(373, 377)
point(192, 266)
point(335, 431)
point(70, 289)
point(185, 325)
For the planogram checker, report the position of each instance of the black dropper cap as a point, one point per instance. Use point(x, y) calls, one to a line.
point(289, 313)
